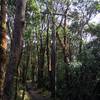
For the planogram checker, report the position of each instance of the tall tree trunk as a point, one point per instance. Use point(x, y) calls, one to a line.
point(41, 63)
point(16, 47)
point(48, 54)
point(53, 58)
point(80, 32)
point(80, 42)
point(66, 45)
point(3, 44)
point(40, 67)
point(25, 70)
point(41, 56)
point(35, 60)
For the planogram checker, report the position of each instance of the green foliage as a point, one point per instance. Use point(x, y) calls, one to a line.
point(61, 70)
point(94, 29)
point(32, 6)
point(27, 34)
point(98, 6)
point(90, 56)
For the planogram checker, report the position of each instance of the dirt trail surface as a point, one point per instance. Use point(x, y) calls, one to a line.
point(35, 95)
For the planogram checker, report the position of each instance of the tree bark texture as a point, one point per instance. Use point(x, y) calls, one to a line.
point(53, 58)
point(16, 47)
point(3, 44)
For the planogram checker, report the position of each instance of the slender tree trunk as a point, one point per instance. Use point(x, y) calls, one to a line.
point(34, 61)
point(66, 44)
point(16, 47)
point(80, 43)
point(40, 67)
point(3, 44)
point(17, 75)
point(80, 32)
point(28, 50)
point(41, 56)
point(48, 54)
point(53, 58)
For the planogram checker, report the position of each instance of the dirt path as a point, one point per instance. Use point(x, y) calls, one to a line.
point(35, 95)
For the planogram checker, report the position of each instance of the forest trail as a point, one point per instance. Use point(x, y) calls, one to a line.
point(35, 95)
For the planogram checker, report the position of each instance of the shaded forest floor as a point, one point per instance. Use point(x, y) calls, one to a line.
point(34, 95)
point(31, 92)
point(37, 94)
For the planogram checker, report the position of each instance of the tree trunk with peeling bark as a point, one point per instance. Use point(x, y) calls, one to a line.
point(3, 44)
point(16, 47)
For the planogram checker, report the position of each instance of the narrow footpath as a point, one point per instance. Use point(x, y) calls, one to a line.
point(34, 94)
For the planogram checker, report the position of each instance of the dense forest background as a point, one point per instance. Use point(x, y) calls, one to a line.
point(49, 50)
